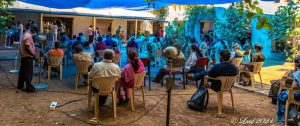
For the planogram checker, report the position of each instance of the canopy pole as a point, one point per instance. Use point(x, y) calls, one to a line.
point(136, 25)
point(41, 23)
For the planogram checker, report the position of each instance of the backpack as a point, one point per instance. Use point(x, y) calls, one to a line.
point(199, 100)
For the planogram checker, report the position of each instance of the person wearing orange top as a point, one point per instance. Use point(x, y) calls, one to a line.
point(56, 51)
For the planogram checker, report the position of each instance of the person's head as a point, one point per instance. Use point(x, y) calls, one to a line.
point(33, 29)
point(56, 45)
point(133, 59)
point(80, 34)
point(91, 26)
point(193, 40)
point(99, 39)
point(297, 63)
point(78, 38)
point(109, 54)
point(114, 45)
point(225, 55)
point(235, 47)
point(132, 40)
point(86, 44)
point(78, 49)
point(195, 48)
point(119, 26)
point(258, 48)
point(114, 36)
point(97, 28)
point(74, 37)
point(63, 39)
point(29, 21)
point(19, 22)
point(178, 47)
point(107, 36)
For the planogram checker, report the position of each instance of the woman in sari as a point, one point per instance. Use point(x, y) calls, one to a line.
point(134, 66)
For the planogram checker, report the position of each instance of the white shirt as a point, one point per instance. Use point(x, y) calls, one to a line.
point(21, 28)
point(105, 68)
point(54, 28)
point(192, 60)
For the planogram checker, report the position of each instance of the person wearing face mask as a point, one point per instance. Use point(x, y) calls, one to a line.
point(27, 54)
point(224, 68)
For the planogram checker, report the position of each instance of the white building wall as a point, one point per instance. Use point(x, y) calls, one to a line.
point(176, 13)
point(81, 24)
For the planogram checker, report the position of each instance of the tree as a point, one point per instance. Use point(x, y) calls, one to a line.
point(6, 17)
point(175, 30)
point(234, 27)
point(284, 31)
point(194, 15)
point(161, 13)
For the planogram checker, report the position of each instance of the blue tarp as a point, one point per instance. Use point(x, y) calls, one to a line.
point(129, 4)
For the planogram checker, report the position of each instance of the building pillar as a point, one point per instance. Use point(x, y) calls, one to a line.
point(41, 23)
point(136, 28)
point(94, 22)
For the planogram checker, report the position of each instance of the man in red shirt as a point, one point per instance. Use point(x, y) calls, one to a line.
point(161, 32)
point(27, 54)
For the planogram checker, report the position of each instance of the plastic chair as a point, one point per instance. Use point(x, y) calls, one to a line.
point(256, 70)
point(146, 62)
point(82, 69)
point(237, 61)
point(180, 62)
point(55, 61)
point(106, 86)
point(138, 84)
point(227, 83)
point(202, 62)
point(290, 100)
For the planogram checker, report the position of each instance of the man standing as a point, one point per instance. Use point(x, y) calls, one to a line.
point(118, 32)
point(27, 54)
point(21, 30)
point(91, 33)
point(54, 29)
point(105, 68)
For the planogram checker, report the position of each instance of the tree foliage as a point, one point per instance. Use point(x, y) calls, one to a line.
point(251, 10)
point(175, 30)
point(284, 22)
point(6, 17)
point(284, 31)
point(161, 13)
point(234, 27)
point(199, 12)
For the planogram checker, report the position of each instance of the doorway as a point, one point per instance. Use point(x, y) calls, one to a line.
point(68, 22)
